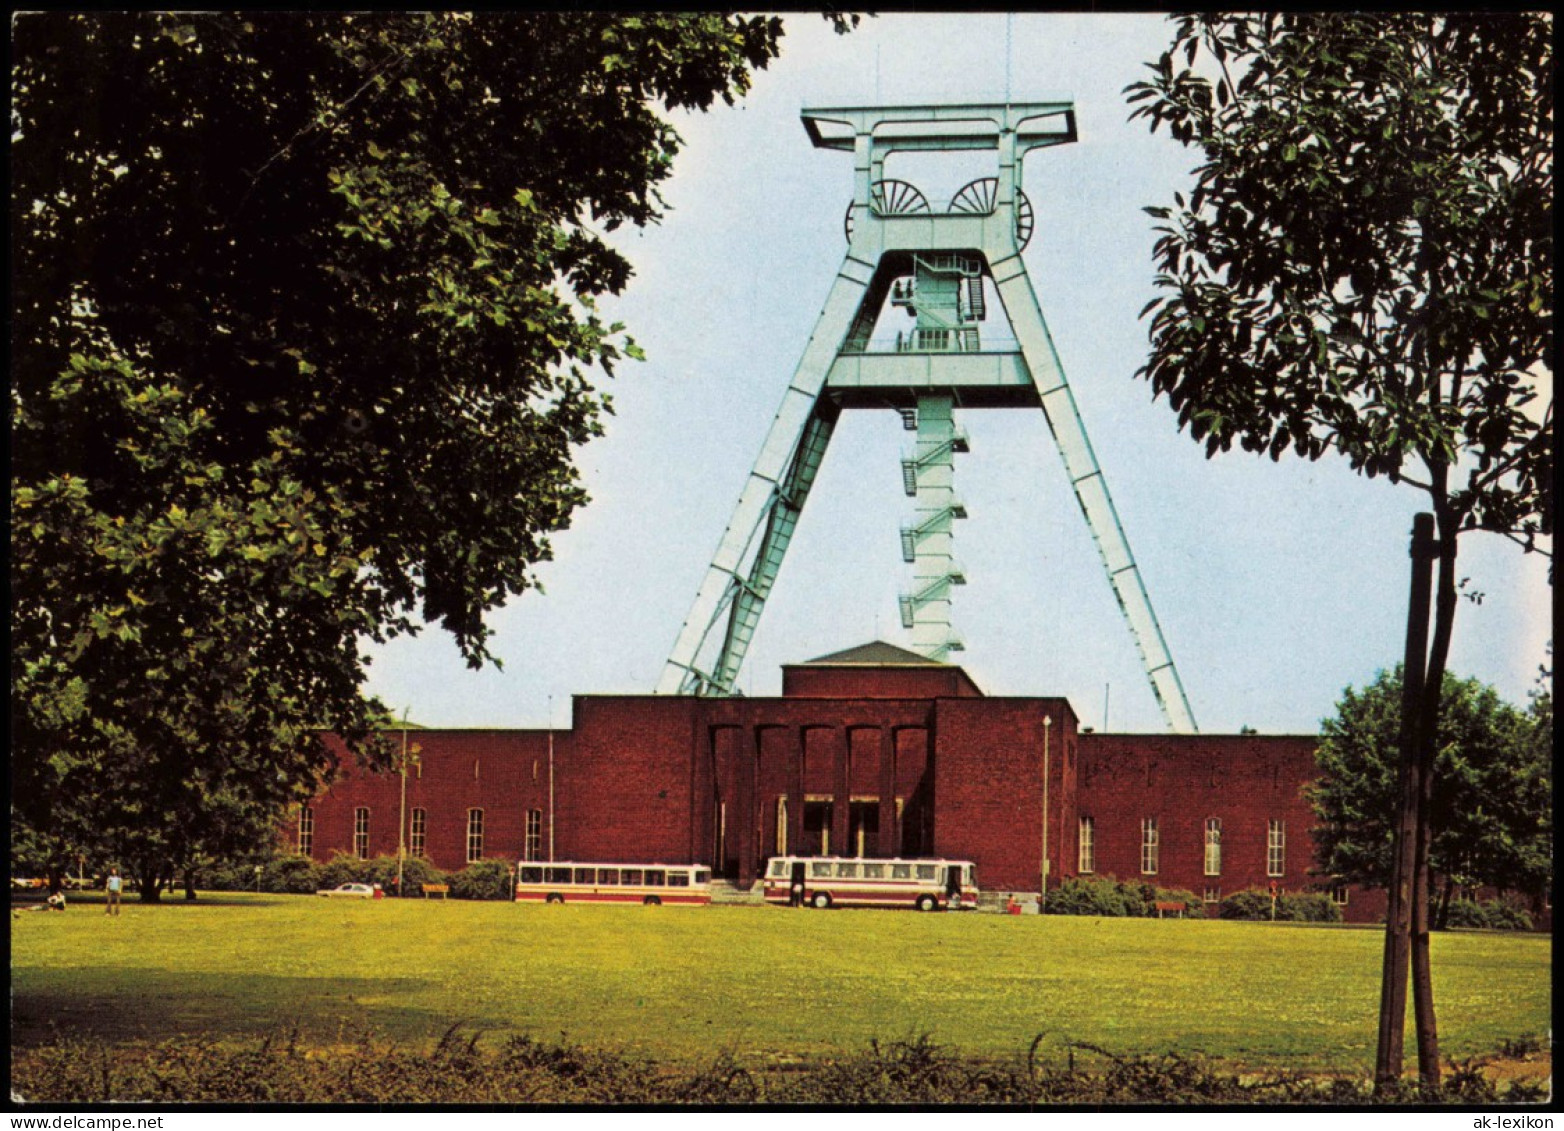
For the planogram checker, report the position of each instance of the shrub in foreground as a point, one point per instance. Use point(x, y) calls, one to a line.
point(459, 1069)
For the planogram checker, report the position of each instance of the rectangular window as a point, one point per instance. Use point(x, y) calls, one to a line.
point(361, 833)
point(901, 871)
point(778, 870)
point(1149, 845)
point(306, 831)
point(820, 868)
point(928, 872)
point(874, 871)
point(847, 870)
point(1212, 895)
point(1275, 848)
point(532, 875)
point(633, 877)
point(608, 876)
point(415, 836)
point(556, 875)
point(533, 848)
point(678, 879)
point(782, 826)
point(1213, 846)
point(1088, 854)
point(585, 875)
point(474, 835)
point(703, 875)
point(1338, 894)
point(656, 878)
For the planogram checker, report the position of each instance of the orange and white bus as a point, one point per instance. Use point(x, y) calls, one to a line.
point(839, 881)
point(651, 884)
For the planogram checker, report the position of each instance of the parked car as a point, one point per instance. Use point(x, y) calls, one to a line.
point(27, 884)
point(349, 891)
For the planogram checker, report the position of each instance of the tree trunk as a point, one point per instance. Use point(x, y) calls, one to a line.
point(1442, 923)
point(1401, 904)
point(149, 883)
point(190, 891)
point(1427, 749)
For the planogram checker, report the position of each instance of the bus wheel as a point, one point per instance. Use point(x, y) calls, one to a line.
point(652, 901)
point(554, 897)
point(822, 900)
point(927, 903)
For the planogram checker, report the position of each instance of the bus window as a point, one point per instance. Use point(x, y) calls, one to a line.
point(678, 879)
point(531, 875)
point(584, 875)
point(971, 871)
point(779, 869)
point(820, 868)
point(556, 875)
point(901, 871)
point(656, 878)
point(874, 871)
point(632, 876)
point(608, 876)
point(703, 875)
point(847, 869)
point(928, 872)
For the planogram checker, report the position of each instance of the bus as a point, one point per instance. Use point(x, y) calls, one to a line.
point(649, 884)
point(840, 881)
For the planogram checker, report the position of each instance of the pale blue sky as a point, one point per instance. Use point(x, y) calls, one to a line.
point(1277, 584)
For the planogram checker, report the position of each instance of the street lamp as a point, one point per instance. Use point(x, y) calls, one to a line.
point(1042, 897)
point(401, 824)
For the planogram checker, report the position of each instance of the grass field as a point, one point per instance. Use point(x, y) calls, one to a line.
point(683, 983)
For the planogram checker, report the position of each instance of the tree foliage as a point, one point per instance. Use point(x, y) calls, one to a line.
point(303, 339)
point(1365, 261)
point(1491, 817)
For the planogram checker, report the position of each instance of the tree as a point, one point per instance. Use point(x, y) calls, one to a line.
point(1491, 819)
point(1365, 264)
point(303, 341)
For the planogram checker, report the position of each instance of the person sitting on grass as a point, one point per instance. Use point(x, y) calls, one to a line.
point(57, 901)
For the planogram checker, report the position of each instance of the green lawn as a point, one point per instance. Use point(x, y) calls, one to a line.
point(688, 982)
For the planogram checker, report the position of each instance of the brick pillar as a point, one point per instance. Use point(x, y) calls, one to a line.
point(795, 795)
point(890, 831)
point(742, 812)
point(842, 802)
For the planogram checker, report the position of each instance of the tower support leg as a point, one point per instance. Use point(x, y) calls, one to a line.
point(767, 509)
point(1091, 489)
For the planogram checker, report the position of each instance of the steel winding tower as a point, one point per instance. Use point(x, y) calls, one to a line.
point(932, 261)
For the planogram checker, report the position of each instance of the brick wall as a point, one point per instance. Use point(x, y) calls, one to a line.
point(988, 797)
point(641, 778)
point(1244, 781)
point(502, 772)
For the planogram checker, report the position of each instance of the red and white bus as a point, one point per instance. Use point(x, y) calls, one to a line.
point(651, 884)
point(839, 881)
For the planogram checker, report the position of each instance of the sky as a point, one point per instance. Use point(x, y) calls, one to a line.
point(1277, 585)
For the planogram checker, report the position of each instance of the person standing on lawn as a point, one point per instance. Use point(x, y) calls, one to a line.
point(114, 885)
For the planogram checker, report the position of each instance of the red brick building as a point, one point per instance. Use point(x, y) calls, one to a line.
point(874, 752)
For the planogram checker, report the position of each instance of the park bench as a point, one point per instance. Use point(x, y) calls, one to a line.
point(1169, 906)
point(441, 890)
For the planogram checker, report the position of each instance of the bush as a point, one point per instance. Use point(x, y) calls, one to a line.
point(1291, 907)
point(1094, 897)
point(291, 875)
point(1493, 913)
point(487, 879)
point(1116, 899)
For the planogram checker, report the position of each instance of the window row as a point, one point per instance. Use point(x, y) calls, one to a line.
point(417, 830)
point(1151, 847)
